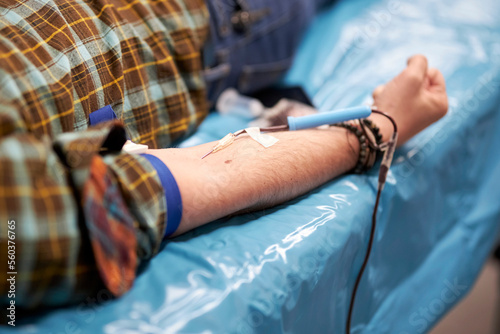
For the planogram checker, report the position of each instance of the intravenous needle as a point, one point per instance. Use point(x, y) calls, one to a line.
point(223, 143)
point(206, 155)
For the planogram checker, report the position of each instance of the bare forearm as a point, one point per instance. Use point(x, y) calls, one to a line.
point(247, 176)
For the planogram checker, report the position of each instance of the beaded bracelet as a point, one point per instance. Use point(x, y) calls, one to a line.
point(375, 130)
point(369, 138)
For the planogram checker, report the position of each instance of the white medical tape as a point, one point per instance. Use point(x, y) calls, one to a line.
point(263, 139)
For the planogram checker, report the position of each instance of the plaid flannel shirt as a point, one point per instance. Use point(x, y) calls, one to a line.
point(86, 213)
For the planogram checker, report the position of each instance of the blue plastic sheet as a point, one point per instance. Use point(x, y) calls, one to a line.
point(291, 269)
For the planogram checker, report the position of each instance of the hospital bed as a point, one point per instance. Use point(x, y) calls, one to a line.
point(291, 269)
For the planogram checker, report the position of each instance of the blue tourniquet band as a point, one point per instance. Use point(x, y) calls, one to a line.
point(102, 115)
point(172, 194)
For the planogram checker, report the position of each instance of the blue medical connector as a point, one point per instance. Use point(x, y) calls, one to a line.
point(303, 122)
point(332, 117)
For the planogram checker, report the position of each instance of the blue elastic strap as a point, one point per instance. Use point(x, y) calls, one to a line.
point(172, 194)
point(102, 115)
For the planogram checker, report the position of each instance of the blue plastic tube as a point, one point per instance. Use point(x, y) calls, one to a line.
point(331, 117)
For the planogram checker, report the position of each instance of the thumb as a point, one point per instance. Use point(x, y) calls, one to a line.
point(416, 71)
point(377, 91)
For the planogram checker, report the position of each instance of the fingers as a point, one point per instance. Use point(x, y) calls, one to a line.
point(377, 91)
point(437, 93)
point(436, 79)
point(416, 71)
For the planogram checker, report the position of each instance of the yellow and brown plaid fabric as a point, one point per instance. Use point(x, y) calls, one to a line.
point(86, 213)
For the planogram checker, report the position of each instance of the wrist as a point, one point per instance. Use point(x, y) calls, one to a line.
point(350, 144)
point(368, 139)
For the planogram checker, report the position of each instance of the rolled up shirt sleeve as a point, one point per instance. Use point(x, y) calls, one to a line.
point(86, 213)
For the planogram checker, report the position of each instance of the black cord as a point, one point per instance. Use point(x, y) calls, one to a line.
point(365, 262)
point(384, 169)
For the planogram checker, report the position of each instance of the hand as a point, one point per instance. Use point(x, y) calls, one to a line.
point(416, 98)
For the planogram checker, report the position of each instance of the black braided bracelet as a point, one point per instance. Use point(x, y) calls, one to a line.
point(374, 129)
point(367, 149)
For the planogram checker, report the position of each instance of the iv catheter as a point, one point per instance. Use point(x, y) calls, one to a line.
point(300, 123)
